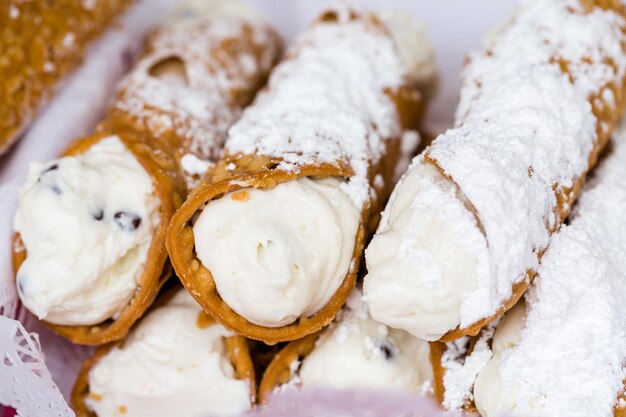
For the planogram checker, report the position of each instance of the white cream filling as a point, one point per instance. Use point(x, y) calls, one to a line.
point(427, 255)
point(278, 254)
point(417, 56)
point(489, 396)
point(358, 352)
point(197, 12)
point(169, 366)
point(86, 222)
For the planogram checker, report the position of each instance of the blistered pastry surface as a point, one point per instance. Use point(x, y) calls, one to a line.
point(40, 43)
point(192, 83)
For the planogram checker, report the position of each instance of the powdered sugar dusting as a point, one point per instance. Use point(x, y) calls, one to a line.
point(570, 360)
point(193, 165)
point(196, 96)
point(409, 143)
point(461, 369)
point(523, 126)
point(327, 102)
point(347, 320)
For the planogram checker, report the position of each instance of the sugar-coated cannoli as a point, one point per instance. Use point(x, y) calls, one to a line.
point(189, 88)
point(465, 229)
point(176, 362)
point(40, 43)
point(89, 251)
point(563, 352)
point(270, 242)
point(353, 352)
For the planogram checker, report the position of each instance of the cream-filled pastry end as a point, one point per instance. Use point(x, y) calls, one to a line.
point(359, 352)
point(279, 254)
point(172, 364)
point(86, 222)
point(429, 253)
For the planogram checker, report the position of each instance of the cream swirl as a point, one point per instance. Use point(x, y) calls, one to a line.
point(278, 254)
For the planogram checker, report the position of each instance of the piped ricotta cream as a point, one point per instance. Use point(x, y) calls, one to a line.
point(358, 352)
point(279, 254)
point(86, 222)
point(425, 256)
point(170, 365)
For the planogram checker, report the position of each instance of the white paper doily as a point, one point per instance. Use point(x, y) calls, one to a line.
point(25, 382)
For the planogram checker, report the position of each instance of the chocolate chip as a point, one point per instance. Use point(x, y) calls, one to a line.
point(99, 215)
point(387, 350)
point(53, 187)
point(51, 168)
point(127, 222)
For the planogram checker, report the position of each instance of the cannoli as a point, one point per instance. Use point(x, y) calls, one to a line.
point(353, 352)
point(41, 42)
point(176, 362)
point(465, 229)
point(270, 242)
point(89, 251)
point(189, 88)
point(561, 349)
point(564, 351)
